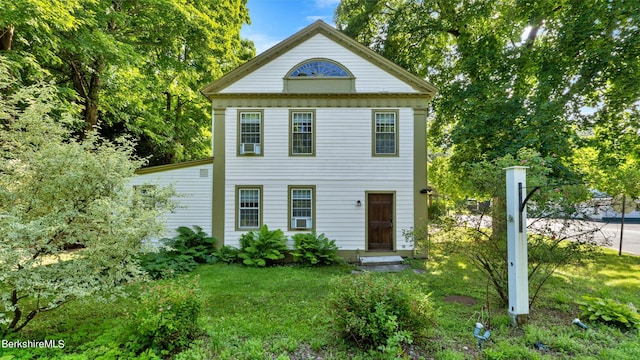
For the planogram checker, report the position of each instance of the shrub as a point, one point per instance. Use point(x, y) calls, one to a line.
point(559, 235)
point(196, 244)
point(167, 318)
point(259, 248)
point(610, 312)
point(379, 312)
point(312, 249)
point(227, 254)
point(180, 254)
point(166, 264)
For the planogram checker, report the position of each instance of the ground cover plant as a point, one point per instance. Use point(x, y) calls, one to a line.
point(262, 247)
point(313, 249)
point(281, 312)
point(180, 254)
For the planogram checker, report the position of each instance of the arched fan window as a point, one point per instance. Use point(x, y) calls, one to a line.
point(319, 75)
point(319, 68)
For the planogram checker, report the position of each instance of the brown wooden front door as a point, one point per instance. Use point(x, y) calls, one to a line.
point(380, 215)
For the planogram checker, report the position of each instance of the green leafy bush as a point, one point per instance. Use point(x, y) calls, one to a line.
point(610, 312)
point(180, 254)
point(196, 244)
point(227, 254)
point(312, 249)
point(166, 264)
point(380, 312)
point(259, 248)
point(167, 318)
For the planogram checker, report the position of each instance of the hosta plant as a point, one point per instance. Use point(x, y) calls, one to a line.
point(610, 312)
point(313, 249)
point(262, 247)
point(180, 254)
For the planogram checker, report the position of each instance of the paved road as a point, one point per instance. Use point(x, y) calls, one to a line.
point(630, 239)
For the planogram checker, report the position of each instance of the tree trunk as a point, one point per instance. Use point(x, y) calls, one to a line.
point(88, 88)
point(498, 218)
point(17, 313)
point(91, 113)
point(91, 106)
point(6, 38)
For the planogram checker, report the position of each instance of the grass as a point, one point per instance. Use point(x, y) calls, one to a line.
point(280, 313)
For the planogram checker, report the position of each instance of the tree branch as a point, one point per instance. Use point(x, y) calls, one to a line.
point(531, 38)
point(6, 38)
point(78, 80)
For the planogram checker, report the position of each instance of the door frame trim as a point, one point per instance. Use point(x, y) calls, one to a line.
point(366, 217)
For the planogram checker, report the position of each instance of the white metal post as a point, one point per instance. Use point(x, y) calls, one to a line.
point(517, 244)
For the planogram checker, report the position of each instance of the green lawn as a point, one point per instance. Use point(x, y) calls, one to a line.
point(280, 313)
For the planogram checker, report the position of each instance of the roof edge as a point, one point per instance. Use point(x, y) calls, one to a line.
point(175, 166)
point(319, 27)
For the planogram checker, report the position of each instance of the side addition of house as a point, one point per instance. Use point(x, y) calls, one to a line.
point(193, 181)
point(319, 133)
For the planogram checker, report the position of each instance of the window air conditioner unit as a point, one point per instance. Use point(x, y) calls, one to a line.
point(301, 223)
point(249, 148)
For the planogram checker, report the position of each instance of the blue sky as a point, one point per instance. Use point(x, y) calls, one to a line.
point(275, 20)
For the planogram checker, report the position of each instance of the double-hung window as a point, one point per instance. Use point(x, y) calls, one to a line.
point(302, 133)
point(301, 207)
point(250, 132)
point(249, 207)
point(385, 133)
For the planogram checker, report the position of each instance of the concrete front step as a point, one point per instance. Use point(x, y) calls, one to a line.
point(380, 260)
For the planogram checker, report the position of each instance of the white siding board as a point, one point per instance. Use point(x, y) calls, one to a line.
point(337, 215)
point(269, 78)
point(342, 171)
point(194, 202)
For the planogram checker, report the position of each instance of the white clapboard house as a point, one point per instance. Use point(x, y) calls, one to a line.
point(190, 179)
point(318, 133)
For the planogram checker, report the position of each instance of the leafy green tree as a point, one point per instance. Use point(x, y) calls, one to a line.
point(133, 67)
point(558, 233)
point(512, 74)
point(611, 158)
point(56, 191)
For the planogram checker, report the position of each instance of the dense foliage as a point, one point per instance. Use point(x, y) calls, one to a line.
point(180, 254)
point(262, 247)
point(380, 312)
point(167, 318)
point(559, 232)
point(131, 67)
point(313, 249)
point(610, 312)
point(227, 254)
point(56, 191)
point(545, 75)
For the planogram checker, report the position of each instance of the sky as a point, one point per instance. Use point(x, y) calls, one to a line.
point(275, 20)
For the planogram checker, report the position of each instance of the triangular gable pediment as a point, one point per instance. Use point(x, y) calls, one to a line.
point(319, 27)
